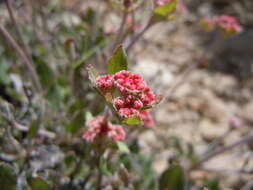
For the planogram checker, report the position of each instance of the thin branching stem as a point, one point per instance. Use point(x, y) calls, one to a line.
point(139, 35)
point(17, 29)
point(118, 37)
point(22, 55)
point(243, 140)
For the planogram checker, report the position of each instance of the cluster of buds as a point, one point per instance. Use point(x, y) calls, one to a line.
point(227, 24)
point(99, 128)
point(130, 94)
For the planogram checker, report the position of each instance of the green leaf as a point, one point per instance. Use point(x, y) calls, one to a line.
point(118, 61)
point(103, 166)
point(4, 78)
point(7, 177)
point(76, 123)
point(163, 11)
point(172, 179)
point(88, 116)
point(54, 97)
point(122, 147)
point(134, 120)
point(33, 130)
point(46, 75)
point(177, 144)
point(93, 74)
point(87, 54)
point(37, 183)
point(212, 184)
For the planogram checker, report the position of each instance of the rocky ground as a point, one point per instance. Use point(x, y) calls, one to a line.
point(201, 108)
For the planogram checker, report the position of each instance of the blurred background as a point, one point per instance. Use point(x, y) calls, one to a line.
point(45, 97)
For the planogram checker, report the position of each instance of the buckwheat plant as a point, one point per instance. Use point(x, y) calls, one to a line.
point(226, 25)
point(127, 96)
point(128, 100)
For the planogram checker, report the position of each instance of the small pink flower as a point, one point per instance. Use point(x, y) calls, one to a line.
point(118, 103)
point(147, 98)
point(235, 122)
point(147, 118)
point(100, 128)
point(104, 82)
point(127, 112)
point(116, 133)
point(137, 104)
point(128, 82)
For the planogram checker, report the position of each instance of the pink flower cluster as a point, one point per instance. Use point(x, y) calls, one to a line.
point(131, 91)
point(100, 128)
point(226, 23)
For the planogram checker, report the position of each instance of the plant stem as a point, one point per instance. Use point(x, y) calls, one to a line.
point(17, 29)
point(99, 181)
point(139, 35)
point(120, 31)
point(222, 150)
point(22, 55)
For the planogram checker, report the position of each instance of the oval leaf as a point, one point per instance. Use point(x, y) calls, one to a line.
point(118, 61)
point(134, 120)
point(7, 177)
point(37, 183)
point(92, 74)
point(122, 147)
point(163, 11)
point(33, 130)
point(172, 179)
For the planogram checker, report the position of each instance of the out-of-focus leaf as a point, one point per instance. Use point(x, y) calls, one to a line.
point(118, 61)
point(87, 54)
point(89, 15)
point(7, 177)
point(177, 144)
point(33, 130)
point(69, 48)
point(37, 183)
point(93, 74)
point(78, 105)
point(122, 147)
point(172, 179)
point(4, 78)
point(76, 123)
point(134, 120)
point(88, 116)
point(162, 12)
point(212, 184)
point(70, 159)
point(45, 74)
point(103, 166)
point(54, 97)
